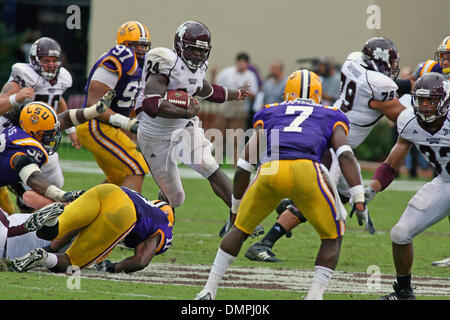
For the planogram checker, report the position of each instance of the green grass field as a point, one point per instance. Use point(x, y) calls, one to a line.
point(196, 241)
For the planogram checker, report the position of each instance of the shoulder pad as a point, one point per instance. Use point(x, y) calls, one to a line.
point(121, 60)
point(381, 86)
point(65, 75)
point(426, 67)
point(404, 118)
point(23, 74)
point(162, 60)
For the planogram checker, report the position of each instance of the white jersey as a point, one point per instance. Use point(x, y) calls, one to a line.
point(358, 86)
point(434, 147)
point(15, 247)
point(26, 76)
point(166, 61)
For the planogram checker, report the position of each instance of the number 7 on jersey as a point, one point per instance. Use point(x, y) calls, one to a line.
point(295, 125)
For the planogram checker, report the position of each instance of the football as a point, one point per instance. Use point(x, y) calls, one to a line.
point(178, 98)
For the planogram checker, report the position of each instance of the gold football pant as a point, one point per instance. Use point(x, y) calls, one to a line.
point(113, 150)
point(105, 214)
point(6, 202)
point(300, 180)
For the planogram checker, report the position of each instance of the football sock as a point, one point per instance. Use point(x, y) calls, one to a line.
point(51, 260)
point(275, 233)
point(404, 282)
point(218, 269)
point(322, 276)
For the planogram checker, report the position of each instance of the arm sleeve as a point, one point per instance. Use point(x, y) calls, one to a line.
point(106, 76)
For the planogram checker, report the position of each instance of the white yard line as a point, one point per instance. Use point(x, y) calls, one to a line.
point(187, 173)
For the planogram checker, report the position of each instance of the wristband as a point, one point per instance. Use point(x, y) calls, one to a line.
point(247, 166)
point(73, 117)
point(13, 101)
point(357, 193)
point(119, 120)
point(111, 267)
point(342, 149)
point(235, 204)
point(70, 130)
point(54, 193)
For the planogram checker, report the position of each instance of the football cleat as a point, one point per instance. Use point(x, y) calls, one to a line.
point(261, 252)
point(259, 230)
point(38, 219)
point(205, 295)
point(29, 261)
point(399, 294)
point(441, 263)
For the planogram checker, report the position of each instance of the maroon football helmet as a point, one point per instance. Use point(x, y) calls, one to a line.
point(193, 43)
point(46, 47)
point(431, 96)
point(381, 54)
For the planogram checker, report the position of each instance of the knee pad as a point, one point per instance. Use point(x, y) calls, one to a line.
point(177, 199)
point(400, 235)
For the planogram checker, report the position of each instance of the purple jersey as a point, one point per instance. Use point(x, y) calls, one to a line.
point(298, 129)
point(122, 61)
point(150, 221)
point(13, 142)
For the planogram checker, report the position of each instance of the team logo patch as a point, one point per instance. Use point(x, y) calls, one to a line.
point(381, 54)
point(34, 119)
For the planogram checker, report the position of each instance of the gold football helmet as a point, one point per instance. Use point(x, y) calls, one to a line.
point(164, 206)
point(303, 84)
point(443, 53)
point(135, 35)
point(40, 121)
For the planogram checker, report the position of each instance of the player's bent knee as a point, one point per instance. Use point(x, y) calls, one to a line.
point(400, 235)
point(48, 233)
point(177, 199)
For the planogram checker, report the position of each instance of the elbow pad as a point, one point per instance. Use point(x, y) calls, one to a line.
point(385, 174)
point(25, 167)
point(151, 103)
point(219, 94)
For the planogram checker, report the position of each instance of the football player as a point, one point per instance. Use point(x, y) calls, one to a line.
point(103, 216)
point(161, 124)
point(43, 79)
point(426, 127)
point(297, 133)
point(369, 91)
point(33, 133)
point(107, 136)
point(440, 64)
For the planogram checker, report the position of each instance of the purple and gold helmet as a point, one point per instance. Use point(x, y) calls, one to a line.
point(431, 96)
point(381, 54)
point(192, 43)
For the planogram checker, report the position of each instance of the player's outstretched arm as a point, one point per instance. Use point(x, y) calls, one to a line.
point(143, 254)
point(30, 173)
point(72, 117)
point(391, 109)
point(214, 93)
point(385, 173)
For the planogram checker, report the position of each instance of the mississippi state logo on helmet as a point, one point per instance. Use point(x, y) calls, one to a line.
point(443, 55)
point(167, 209)
point(40, 121)
point(192, 43)
point(431, 96)
point(45, 57)
point(381, 54)
point(303, 84)
point(136, 36)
